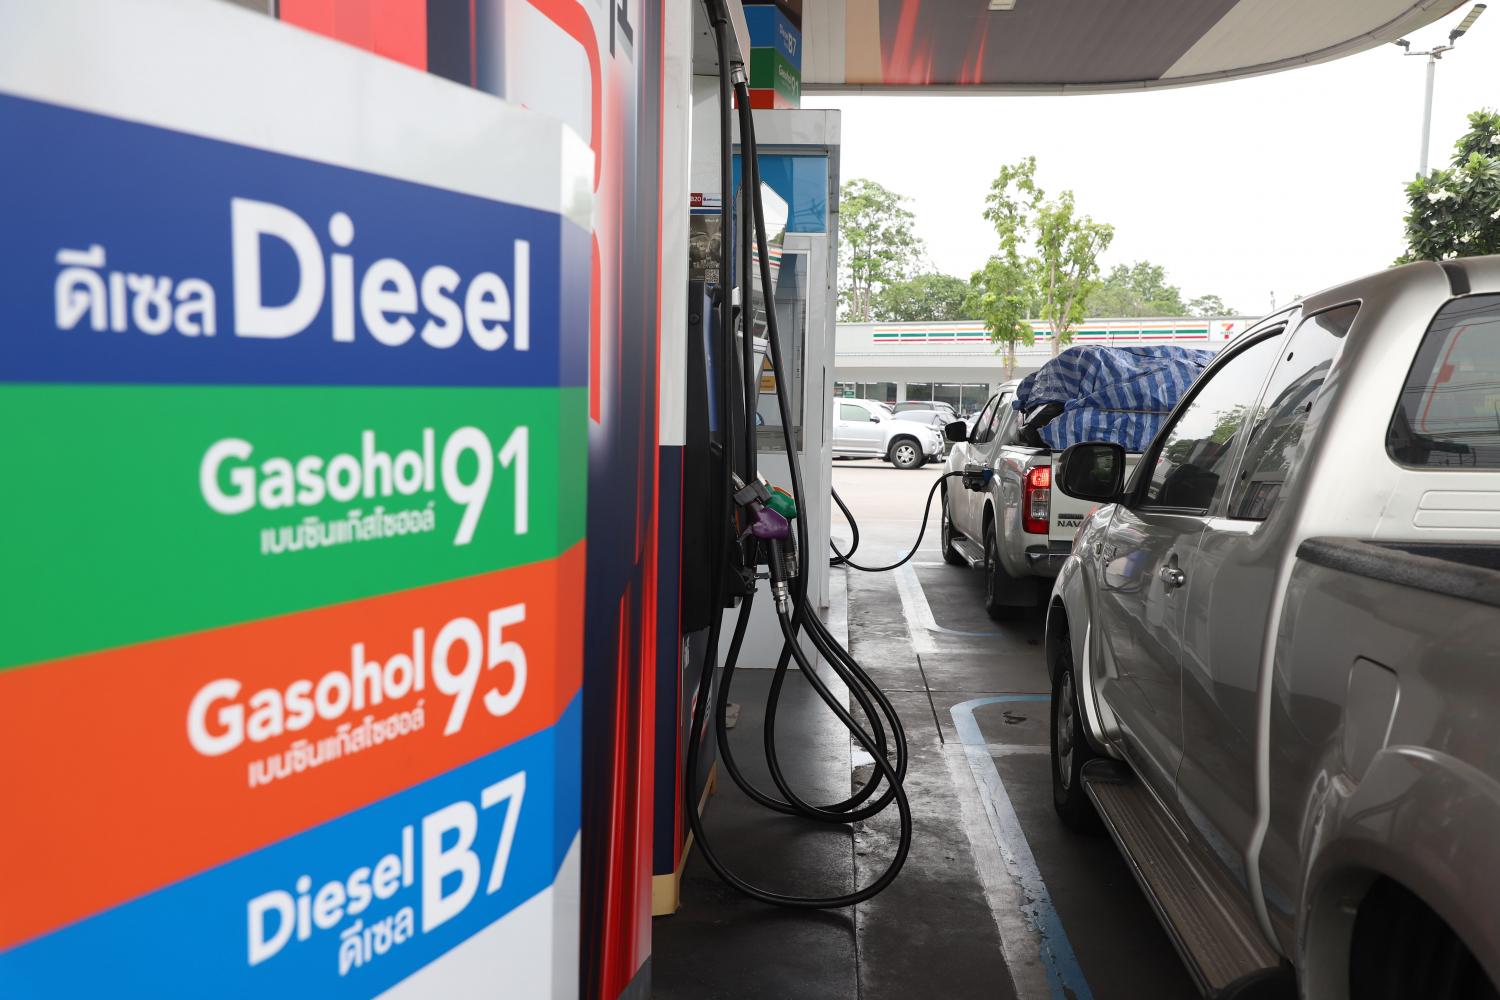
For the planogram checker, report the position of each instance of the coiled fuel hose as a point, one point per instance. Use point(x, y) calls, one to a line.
point(785, 545)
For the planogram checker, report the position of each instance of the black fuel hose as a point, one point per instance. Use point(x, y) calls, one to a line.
point(885, 734)
point(839, 659)
point(839, 558)
point(843, 557)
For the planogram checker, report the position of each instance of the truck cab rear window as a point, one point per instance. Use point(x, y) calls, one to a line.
point(1449, 412)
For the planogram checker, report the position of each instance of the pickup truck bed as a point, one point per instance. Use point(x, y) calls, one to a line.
point(1467, 571)
point(1383, 711)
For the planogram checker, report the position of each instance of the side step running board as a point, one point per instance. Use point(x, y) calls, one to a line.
point(971, 552)
point(1209, 922)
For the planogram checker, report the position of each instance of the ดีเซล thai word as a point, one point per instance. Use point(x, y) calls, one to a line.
point(390, 302)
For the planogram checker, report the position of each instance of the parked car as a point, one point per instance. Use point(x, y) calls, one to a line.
point(863, 428)
point(1275, 650)
point(946, 409)
point(934, 418)
point(1007, 515)
point(930, 418)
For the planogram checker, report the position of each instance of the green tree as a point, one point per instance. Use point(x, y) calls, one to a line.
point(1139, 289)
point(1058, 247)
point(1456, 212)
point(1068, 249)
point(877, 246)
point(936, 298)
point(1209, 305)
point(1001, 295)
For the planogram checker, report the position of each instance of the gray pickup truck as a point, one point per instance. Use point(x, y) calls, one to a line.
point(1275, 652)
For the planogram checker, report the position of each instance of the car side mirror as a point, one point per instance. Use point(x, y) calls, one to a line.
point(956, 432)
point(1093, 470)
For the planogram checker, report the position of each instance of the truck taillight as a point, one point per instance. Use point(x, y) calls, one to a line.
point(1036, 500)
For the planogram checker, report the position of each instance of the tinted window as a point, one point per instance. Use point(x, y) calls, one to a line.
point(848, 411)
point(983, 423)
point(1272, 449)
point(1449, 412)
point(1193, 463)
point(996, 417)
point(1005, 423)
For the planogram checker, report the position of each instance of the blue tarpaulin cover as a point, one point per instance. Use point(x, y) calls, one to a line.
point(1116, 394)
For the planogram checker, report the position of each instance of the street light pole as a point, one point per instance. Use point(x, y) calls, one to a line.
point(1433, 55)
point(1432, 61)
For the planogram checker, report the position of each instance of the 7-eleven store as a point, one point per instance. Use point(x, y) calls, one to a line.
point(956, 363)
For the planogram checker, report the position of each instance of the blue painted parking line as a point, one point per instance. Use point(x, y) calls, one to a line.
point(1064, 974)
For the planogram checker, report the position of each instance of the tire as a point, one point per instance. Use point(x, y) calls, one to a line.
point(906, 453)
point(1005, 598)
point(1070, 751)
point(951, 555)
point(1403, 948)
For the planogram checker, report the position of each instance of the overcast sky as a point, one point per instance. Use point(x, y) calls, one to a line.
point(1281, 184)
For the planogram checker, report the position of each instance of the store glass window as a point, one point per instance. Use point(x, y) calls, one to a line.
point(881, 392)
point(971, 396)
point(947, 393)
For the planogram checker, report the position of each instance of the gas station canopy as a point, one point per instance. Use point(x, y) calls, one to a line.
point(1066, 46)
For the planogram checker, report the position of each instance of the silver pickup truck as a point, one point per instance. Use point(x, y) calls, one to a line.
point(1275, 653)
point(1006, 515)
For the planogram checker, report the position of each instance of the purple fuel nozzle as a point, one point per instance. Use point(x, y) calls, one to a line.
point(770, 526)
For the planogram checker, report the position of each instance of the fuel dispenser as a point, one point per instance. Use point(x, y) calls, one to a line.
point(755, 489)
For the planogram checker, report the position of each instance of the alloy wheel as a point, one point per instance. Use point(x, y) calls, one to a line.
point(1064, 711)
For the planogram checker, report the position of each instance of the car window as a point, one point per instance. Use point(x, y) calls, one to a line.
point(986, 415)
point(1272, 447)
point(850, 411)
point(1005, 423)
point(1193, 461)
point(1449, 411)
point(997, 418)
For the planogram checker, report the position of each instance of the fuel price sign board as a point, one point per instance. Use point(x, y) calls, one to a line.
point(293, 354)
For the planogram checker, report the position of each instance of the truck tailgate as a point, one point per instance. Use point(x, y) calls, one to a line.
point(1068, 512)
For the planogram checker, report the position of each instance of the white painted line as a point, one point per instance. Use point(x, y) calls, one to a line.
point(1044, 930)
point(914, 607)
point(919, 612)
point(1035, 946)
point(1018, 946)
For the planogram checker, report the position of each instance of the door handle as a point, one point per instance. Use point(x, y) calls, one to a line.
point(1172, 576)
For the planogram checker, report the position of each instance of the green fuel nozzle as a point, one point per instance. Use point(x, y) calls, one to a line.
point(782, 503)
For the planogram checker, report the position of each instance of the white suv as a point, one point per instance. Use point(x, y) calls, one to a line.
point(863, 428)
